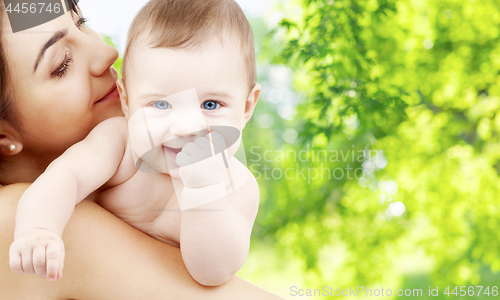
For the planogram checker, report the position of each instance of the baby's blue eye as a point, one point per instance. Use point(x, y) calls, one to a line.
point(210, 105)
point(162, 104)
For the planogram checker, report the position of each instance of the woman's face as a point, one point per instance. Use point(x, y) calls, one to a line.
point(63, 83)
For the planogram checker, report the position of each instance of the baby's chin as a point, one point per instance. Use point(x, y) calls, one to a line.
point(154, 161)
point(150, 167)
point(173, 173)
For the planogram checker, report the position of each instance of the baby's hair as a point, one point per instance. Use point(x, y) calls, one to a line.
point(192, 23)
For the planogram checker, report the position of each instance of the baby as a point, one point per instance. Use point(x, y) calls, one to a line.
point(168, 167)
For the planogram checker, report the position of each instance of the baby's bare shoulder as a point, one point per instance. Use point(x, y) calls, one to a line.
point(111, 126)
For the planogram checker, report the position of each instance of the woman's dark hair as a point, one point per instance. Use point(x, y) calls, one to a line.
point(7, 112)
point(7, 108)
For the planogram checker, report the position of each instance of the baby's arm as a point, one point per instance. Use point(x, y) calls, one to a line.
point(215, 237)
point(46, 206)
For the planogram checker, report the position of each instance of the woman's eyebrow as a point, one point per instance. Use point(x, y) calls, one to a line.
point(56, 37)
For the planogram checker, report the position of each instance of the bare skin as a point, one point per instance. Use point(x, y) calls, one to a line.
point(214, 245)
point(106, 258)
point(93, 271)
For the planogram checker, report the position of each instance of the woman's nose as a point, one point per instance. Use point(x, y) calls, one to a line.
point(105, 56)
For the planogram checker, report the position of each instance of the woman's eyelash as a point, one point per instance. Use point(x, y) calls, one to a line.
point(81, 22)
point(63, 68)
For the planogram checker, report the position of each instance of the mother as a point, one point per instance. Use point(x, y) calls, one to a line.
point(56, 83)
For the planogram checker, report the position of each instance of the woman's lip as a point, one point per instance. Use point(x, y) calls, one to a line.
point(113, 94)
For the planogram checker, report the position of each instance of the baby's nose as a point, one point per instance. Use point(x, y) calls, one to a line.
point(189, 124)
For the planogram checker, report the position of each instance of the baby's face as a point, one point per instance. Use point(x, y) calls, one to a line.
point(174, 96)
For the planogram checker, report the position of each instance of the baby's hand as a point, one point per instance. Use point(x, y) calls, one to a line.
point(38, 251)
point(198, 167)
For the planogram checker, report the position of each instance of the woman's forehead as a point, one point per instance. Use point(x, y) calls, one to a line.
point(23, 48)
point(37, 34)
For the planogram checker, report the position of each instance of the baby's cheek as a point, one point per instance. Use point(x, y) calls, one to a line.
point(159, 127)
point(138, 134)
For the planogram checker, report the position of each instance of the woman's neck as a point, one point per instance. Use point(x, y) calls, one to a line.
point(21, 168)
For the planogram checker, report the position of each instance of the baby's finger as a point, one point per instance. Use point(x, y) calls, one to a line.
point(39, 261)
point(15, 261)
point(54, 256)
point(182, 159)
point(59, 274)
point(218, 140)
point(203, 142)
point(191, 149)
point(27, 257)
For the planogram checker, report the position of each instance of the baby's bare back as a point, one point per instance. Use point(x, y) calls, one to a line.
point(148, 202)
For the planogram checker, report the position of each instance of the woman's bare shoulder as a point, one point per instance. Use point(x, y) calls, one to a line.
point(98, 247)
point(10, 194)
point(13, 187)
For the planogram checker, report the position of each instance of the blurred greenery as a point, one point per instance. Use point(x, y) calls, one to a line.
point(412, 88)
point(119, 61)
point(386, 115)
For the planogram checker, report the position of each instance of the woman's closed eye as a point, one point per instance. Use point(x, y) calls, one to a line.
point(210, 105)
point(63, 68)
point(68, 59)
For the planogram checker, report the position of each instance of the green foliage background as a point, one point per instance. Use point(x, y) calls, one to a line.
point(408, 92)
point(415, 84)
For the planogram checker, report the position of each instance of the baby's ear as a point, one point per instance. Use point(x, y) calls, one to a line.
point(123, 96)
point(252, 100)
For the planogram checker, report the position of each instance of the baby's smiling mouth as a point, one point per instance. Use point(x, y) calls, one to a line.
point(172, 151)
